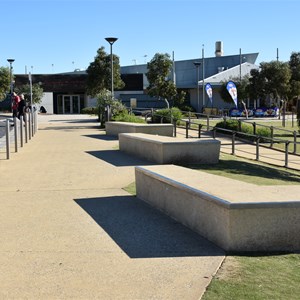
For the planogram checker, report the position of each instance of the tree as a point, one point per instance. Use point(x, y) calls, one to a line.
point(37, 92)
point(294, 64)
point(160, 84)
point(241, 86)
point(99, 73)
point(276, 76)
point(4, 82)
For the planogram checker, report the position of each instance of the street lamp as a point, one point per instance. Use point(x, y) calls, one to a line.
point(10, 60)
point(197, 65)
point(203, 76)
point(111, 40)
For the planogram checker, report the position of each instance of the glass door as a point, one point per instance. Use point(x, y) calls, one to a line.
point(71, 104)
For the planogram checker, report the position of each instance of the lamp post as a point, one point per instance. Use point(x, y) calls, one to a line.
point(197, 65)
point(111, 40)
point(203, 76)
point(10, 60)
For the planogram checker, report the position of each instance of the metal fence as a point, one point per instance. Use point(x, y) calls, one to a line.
point(17, 132)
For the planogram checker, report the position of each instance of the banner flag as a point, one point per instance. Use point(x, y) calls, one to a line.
point(208, 89)
point(231, 88)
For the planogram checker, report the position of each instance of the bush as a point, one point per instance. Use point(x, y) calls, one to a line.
point(90, 110)
point(124, 116)
point(165, 115)
point(245, 128)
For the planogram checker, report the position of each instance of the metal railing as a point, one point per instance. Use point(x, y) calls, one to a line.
point(18, 132)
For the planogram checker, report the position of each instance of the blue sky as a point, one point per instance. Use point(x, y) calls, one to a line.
point(62, 35)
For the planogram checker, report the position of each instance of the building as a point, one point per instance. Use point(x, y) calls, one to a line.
point(65, 93)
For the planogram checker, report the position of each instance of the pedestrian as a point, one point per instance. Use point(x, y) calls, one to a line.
point(21, 107)
point(14, 104)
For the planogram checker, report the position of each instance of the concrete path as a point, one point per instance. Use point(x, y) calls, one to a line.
point(69, 231)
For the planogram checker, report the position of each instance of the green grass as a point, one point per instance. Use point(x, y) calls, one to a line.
point(256, 277)
point(252, 277)
point(250, 171)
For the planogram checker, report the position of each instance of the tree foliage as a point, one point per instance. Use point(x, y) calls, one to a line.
point(160, 84)
point(4, 82)
point(37, 92)
point(99, 73)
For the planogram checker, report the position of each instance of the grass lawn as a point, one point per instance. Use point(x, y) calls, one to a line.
point(254, 276)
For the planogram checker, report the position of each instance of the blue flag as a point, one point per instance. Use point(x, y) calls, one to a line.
point(231, 88)
point(208, 89)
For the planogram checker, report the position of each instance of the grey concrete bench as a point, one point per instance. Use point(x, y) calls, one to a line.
point(165, 150)
point(114, 128)
point(236, 216)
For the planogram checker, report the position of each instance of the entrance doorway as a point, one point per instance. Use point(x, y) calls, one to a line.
point(71, 104)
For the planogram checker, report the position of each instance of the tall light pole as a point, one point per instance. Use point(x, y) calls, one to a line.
point(197, 65)
point(203, 76)
point(111, 40)
point(10, 60)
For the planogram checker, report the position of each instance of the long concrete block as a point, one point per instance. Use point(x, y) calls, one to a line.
point(166, 150)
point(114, 128)
point(236, 216)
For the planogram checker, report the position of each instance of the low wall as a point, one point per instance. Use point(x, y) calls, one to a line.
point(165, 150)
point(236, 216)
point(114, 128)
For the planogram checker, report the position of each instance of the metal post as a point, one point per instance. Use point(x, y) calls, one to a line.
point(272, 135)
point(233, 143)
point(175, 128)
point(207, 122)
point(187, 129)
point(26, 127)
point(199, 130)
point(257, 148)
point(286, 153)
point(21, 131)
point(254, 128)
point(295, 142)
point(7, 139)
point(16, 134)
point(29, 125)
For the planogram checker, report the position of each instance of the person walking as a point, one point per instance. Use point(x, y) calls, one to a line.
point(21, 107)
point(14, 104)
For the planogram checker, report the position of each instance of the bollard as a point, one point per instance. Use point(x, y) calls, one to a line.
point(254, 128)
point(26, 128)
point(16, 133)
point(29, 126)
point(272, 135)
point(21, 131)
point(7, 139)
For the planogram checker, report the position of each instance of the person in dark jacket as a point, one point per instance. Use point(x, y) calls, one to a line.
point(21, 107)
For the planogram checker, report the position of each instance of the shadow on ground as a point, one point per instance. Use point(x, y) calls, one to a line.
point(119, 158)
point(102, 137)
point(144, 232)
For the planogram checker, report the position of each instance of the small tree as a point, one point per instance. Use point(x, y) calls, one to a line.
point(99, 73)
point(4, 82)
point(37, 92)
point(160, 84)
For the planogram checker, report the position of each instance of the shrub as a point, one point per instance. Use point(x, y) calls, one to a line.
point(165, 114)
point(124, 116)
point(90, 110)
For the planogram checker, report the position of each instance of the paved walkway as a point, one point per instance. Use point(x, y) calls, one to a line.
point(69, 231)
point(246, 150)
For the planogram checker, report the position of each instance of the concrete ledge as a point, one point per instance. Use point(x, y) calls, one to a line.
point(236, 216)
point(114, 128)
point(165, 150)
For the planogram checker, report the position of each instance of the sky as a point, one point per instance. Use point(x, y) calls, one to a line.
point(55, 36)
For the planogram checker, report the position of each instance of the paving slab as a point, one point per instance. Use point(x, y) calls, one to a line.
point(69, 231)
